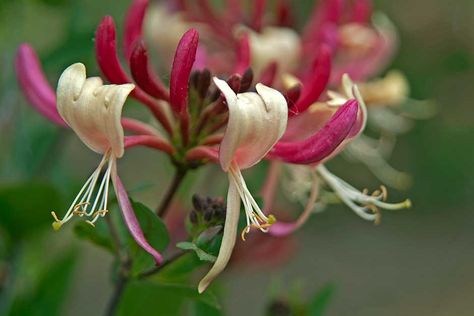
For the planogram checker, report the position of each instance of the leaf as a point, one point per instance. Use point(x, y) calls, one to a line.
point(25, 207)
point(155, 232)
point(180, 269)
point(201, 309)
point(319, 303)
point(140, 298)
point(97, 235)
point(49, 292)
point(202, 255)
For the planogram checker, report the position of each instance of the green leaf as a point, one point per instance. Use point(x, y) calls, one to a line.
point(143, 298)
point(320, 301)
point(156, 234)
point(202, 255)
point(180, 269)
point(97, 235)
point(26, 207)
point(49, 293)
point(201, 309)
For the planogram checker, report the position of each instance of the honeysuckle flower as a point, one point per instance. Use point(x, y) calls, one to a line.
point(272, 44)
point(256, 122)
point(363, 204)
point(93, 112)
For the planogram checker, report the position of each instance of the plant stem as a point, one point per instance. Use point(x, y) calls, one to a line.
point(170, 193)
point(124, 270)
point(157, 269)
point(120, 285)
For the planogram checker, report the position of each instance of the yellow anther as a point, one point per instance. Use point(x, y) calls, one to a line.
point(271, 219)
point(407, 203)
point(57, 223)
point(100, 213)
point(384, 192)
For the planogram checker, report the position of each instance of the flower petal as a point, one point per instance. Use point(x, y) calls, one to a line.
point(131, 220)
point(143, 74)
point(317, 147)
point(317, 81)
point(228, 239)
point(243, 54)
point(182, 65)
point(133, 25)
point(256, 123)
point(34, 84)
point(93, 110)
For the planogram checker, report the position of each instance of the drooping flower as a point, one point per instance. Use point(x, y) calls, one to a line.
point(363, 204)
point(256, 123)
point(93, 111)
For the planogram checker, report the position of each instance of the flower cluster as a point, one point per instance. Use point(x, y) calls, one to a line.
point(251, 88)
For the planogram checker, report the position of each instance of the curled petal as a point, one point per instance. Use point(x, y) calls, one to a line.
point(243, 54)
point(133, 25)
point(316, 83)
point(93, 110)
point(143, 75)
point(256, 123)
point(317, 147)
point(182, 65)
point(34, 84)
point(228, 239)
point(131, 220)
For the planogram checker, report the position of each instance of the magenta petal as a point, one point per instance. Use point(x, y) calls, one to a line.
point(258, 12)
point(133, 25)
point(317, 147)
point(268, 75)
point(327, 11)
point(106, 52)
point(361, 11)
point(34, 84)
point(131, 220)
point(182, 65)
point(143, 75)
point(317, 81)
point(243, 55)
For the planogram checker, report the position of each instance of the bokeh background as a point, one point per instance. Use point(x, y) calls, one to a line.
point(417, 262)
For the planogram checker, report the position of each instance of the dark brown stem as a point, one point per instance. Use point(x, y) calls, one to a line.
point(170, 193)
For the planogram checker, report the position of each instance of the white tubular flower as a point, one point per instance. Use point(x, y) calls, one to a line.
point(256, 122)
point(281, 45)
point(93, 111)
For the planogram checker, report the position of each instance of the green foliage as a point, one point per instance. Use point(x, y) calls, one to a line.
point(98, 235)
point(202, 255)
point(155, 232)
point(142, 298)
point(47, 295)
point(24, 207)
point(320, 301)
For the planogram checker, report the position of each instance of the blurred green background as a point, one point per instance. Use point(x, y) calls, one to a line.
point(417, 262)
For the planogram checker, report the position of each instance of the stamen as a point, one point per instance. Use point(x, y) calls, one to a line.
point(254, 215)
point(365, 205)
point(84, 196)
